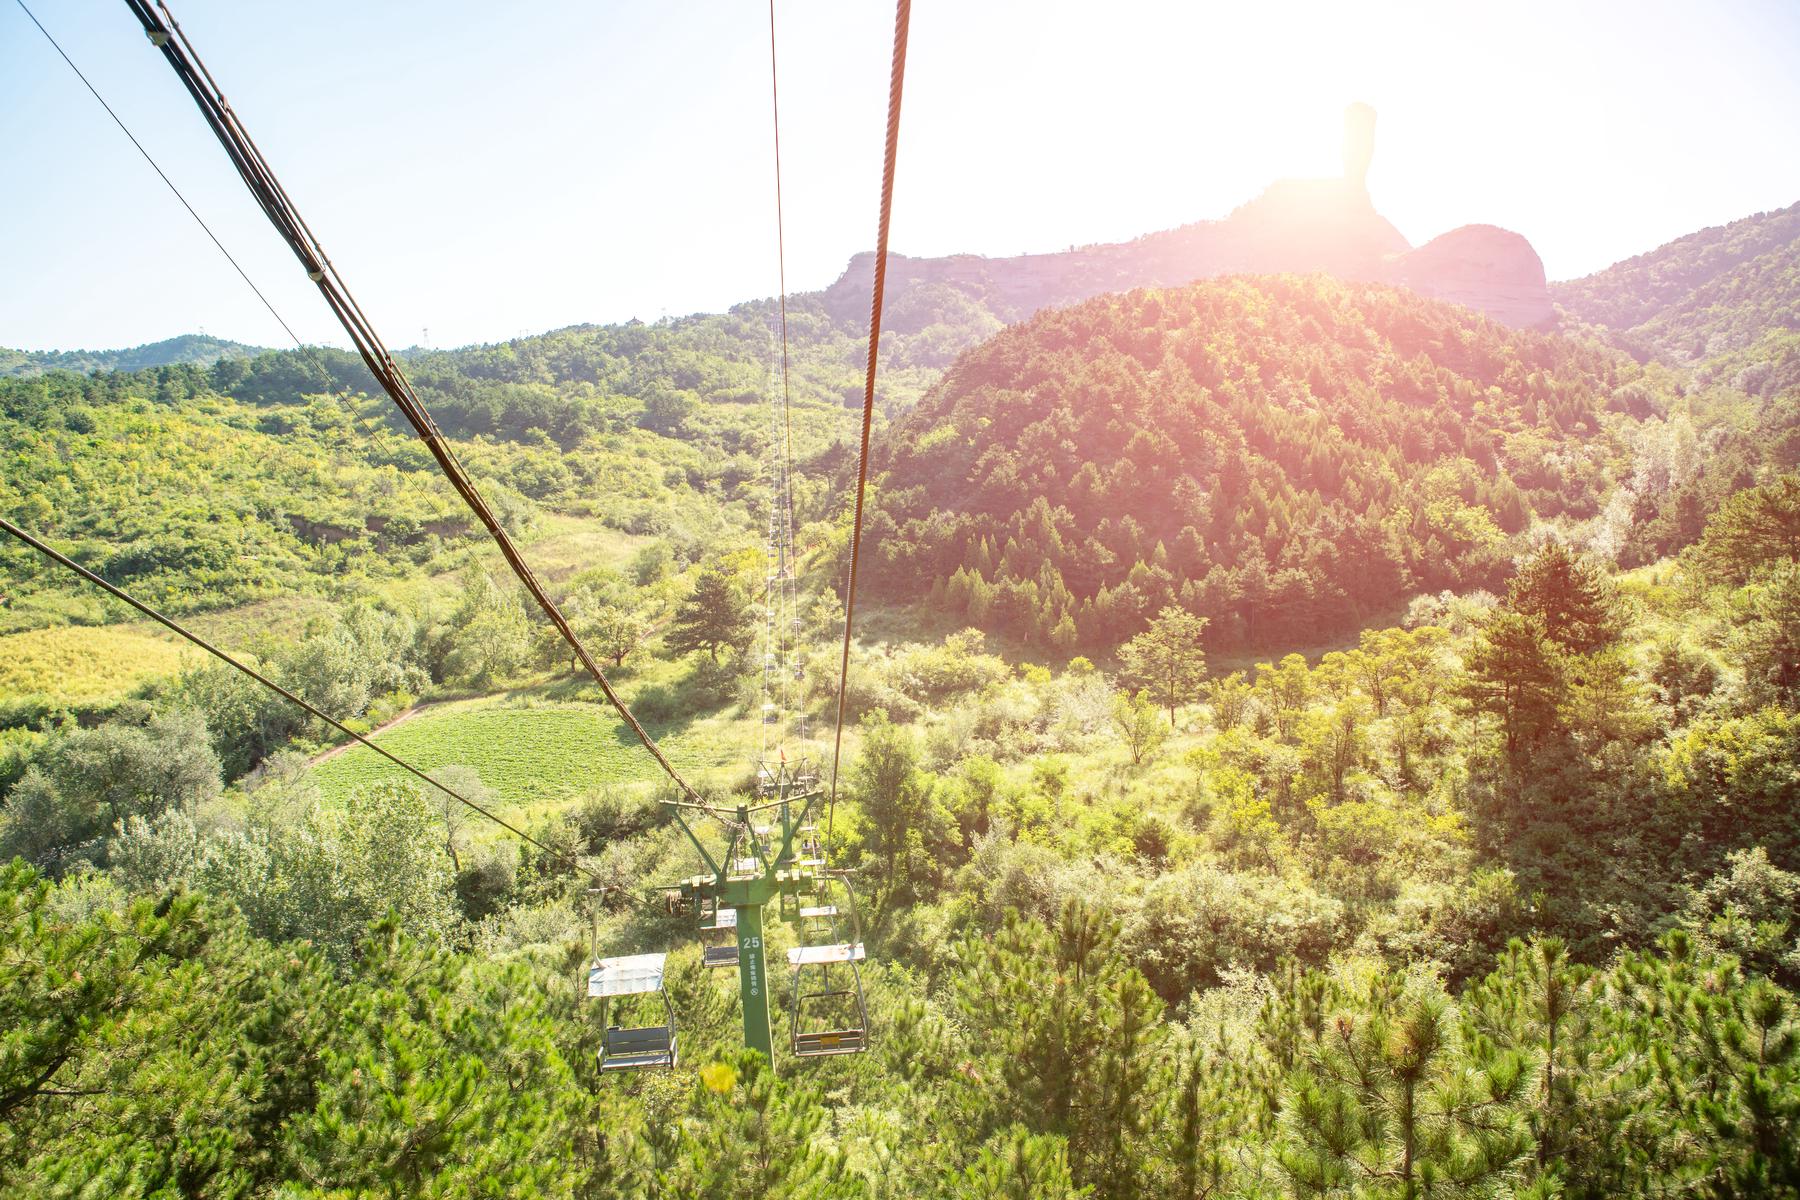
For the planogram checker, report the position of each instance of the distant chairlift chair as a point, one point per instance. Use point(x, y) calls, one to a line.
point(625, 1049)
point(719, 954)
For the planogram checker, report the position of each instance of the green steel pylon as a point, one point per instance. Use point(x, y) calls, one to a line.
point(777, 863)
point(753, 980)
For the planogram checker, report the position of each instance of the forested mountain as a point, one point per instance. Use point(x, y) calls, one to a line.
point(206, 488)
point(1494, 897)
point(190, 349)
point(1724, 299)
point(1285, 457)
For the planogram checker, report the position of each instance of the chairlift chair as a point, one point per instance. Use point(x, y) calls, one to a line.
point(831, 1016)
point(830, 1012)
point(640, 1046)
point(763, 842)
point(809, 850)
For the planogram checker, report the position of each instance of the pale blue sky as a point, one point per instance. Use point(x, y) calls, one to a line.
point(480, 170)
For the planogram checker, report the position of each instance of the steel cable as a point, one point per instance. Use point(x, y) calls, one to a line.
point(157, 167)
point(176, 627)
point(896, 80)
point(254, 169)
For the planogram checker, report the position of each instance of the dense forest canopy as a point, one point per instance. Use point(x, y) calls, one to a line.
point(1284, 457)
point(1268, 955)
point(252, 476)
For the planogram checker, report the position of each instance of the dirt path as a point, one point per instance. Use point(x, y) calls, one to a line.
point(402, 719)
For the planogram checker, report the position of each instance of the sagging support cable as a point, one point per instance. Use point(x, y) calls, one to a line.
point(787, 415)
point(166, 34)
point(157, 167)
point(896, 80)
point(118, 593)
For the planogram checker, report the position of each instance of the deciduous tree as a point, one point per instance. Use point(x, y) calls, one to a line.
point(1168, 658)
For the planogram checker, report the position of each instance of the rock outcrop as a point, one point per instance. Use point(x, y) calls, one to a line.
point(1297, 225)
point(1483, 267)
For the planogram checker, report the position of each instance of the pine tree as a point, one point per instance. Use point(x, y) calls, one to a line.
point(1537, 1002)
point(1570, 597)
point(1387, 1100)
point(751, 1133)
point(1204, 1115)
point(1072, 1037)
point(1753, 530)
point(444, 1079)
point(715, 615)
point(1518, 674)
point(1018, 1165)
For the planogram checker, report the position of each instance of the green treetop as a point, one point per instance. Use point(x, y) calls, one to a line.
point(715, 616)
point(1167, 658)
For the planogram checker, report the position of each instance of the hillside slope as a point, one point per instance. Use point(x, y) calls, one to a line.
point(1284, 456)
point(199, 492)
point(1724, 299)
point(190, 349)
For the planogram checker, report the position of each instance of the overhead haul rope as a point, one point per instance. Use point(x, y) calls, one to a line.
point(897, 78)
point(155, 166)
point(782, 595)
point(781, 264)
point(64, 560)
point(166, 34)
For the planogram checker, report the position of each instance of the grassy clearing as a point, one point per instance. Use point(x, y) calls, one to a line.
point(83, 664)
point(564, 544)
point(72, 664)
point(536, 756)
point(241, 628)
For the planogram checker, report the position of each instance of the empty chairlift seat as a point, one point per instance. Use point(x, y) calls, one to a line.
point(723, 954)
point(831, 1017)
point(615, 981)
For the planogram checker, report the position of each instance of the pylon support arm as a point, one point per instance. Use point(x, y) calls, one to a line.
point(681, 820)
